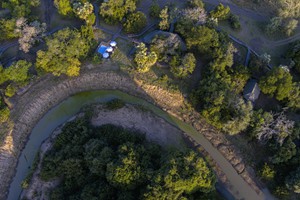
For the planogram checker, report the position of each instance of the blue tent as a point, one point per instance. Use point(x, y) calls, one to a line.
point(102, 49)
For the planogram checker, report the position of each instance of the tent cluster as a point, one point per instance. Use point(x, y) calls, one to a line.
point(106, 49)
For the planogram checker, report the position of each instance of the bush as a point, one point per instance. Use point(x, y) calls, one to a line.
point(220, 12)
point(4, 115)
point(115, 104)
point(267, 173)
point(234, 22)
point(10, 90)
point(154, 10)
point(135, 22)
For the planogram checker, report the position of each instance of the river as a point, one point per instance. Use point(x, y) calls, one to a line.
point(69, 107)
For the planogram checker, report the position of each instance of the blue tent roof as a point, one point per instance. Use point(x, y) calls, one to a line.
point(102, 49)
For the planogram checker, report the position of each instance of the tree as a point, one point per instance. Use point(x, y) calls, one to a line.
point(203, 39)
point(164, 23)
point(196, 16)
point(293, 181)
point(182, 175)
point(154, 10)
point(267, 172)
point(4, 114)
point(272, 126)
point(63, 6)
point(220, 12)
point(274, 25)
point(195, 3)
point(7, 29)
point(294, 97)
point(234, 21)
point(20, 8)
point(294, 54)
point(222, 107)
point(30, 33)
point(187, 66)
point(114, 11)
point(290, 26)
point(135, 22)
point(126, 172)
point(85, 11)
point(17, 72)
point(278, 83)
point(65, 48)
point(144, 59)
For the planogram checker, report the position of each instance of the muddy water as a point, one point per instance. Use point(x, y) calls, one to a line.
point(65, 110)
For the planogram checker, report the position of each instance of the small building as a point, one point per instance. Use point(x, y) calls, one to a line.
point(251, 91)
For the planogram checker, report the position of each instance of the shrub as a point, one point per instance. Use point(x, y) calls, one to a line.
point(135, 22)
point(115, 104)
point(154, 10)
point(4, 115)
point(234, 22)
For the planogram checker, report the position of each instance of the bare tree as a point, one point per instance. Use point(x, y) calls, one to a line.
point(30, 33)
point(277, 127)
point(197, 15)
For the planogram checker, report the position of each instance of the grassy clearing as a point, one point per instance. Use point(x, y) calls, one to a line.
point(120, 54)
point(101, 35)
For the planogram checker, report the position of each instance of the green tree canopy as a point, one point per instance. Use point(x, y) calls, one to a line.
point(64, 51)
point(277, 83)
point(293, 181)
point(144, 59)
point(20, 8)
point(63, 6)
point(17, 72)
point(114, 11)
point(164, 23)
point(203, 39)
point(135, 22)
point(186, 67)
point(7, 29)
point(110, 162)
point(220, 12)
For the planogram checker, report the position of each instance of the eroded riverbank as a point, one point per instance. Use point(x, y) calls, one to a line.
point(38, 100)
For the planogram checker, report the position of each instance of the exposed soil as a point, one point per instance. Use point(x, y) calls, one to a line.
point(49, 91)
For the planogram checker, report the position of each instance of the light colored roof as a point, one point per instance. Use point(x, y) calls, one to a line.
point(109, 49)
point(105, 55)
point(251, 90)
point(113, 43)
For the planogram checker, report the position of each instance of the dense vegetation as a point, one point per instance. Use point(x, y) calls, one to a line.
point(109, 162)
point(65, 49)
point(82, 9)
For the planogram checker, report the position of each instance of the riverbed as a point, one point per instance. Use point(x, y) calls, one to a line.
point(65, 110)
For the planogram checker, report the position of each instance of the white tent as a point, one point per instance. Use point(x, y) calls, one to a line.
point(109, 49)
point(113, 43)
point(105, 55)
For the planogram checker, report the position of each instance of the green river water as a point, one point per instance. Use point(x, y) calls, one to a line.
point(72, 105)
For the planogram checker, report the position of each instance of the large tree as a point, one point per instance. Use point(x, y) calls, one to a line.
point(20, 8)
point(135, 22)
point(144, 59)
point(64, 50)
point(277, 83)
point(114, 11)
point(186, 67)
point(293, 181)
point(203, 39)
